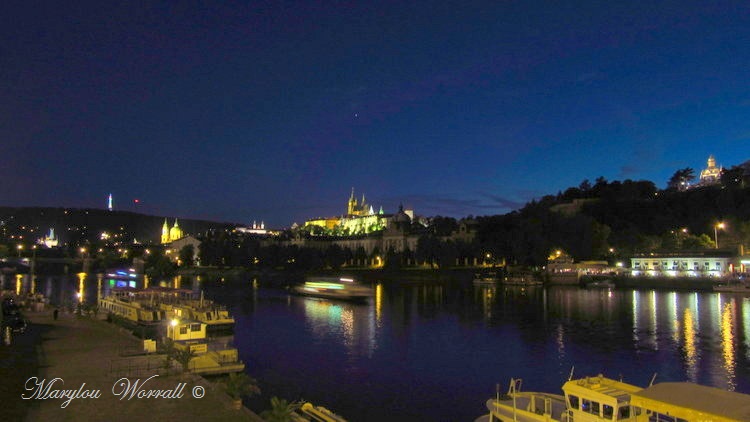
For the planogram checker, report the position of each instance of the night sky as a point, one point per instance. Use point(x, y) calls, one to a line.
point(274, 110)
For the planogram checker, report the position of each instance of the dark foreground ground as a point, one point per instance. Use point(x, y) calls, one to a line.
point(86, 355)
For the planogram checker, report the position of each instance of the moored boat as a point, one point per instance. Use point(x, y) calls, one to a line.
point(340, 288)
point(131, 308)
point(310, 412)
point(210, 357)
point(733, 286)
point(216, 317)
point(489, 279)
point(521, 279)
point(600, 398)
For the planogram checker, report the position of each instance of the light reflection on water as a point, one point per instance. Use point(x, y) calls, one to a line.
point(435, 352)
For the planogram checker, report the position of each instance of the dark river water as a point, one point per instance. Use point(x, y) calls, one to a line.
point(436, 352)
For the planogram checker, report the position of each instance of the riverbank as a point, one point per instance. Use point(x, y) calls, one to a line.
point(285, 278)
point(86, 355)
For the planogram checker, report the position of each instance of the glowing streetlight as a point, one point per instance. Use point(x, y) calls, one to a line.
point(717, 226)
point(20, 248)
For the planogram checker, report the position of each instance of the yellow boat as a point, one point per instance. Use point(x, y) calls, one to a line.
point(594, 399)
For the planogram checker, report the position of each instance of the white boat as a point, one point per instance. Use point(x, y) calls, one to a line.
point(602, 399)
point(521, 279)
point(341, 288)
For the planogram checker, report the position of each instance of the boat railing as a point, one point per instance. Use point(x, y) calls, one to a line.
point(515, 386)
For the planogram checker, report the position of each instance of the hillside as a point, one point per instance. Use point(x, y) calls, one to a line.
point(86, 225)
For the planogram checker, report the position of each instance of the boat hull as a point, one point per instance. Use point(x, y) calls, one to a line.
point(330, 295)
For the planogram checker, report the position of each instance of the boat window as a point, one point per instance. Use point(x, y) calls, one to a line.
point(195, 327)
point(573, 402)
point(607, 411)
point(595, 407)
point(183, 329)
point(624, 412)
point(658, 417)
point(590, 406)
point(586, 405)
point(208, 316)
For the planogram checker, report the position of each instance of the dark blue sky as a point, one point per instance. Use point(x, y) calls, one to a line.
point(274, 111)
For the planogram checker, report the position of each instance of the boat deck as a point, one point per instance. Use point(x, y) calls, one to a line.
point(529, 407)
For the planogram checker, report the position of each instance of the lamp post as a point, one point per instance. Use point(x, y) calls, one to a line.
point(717, 226)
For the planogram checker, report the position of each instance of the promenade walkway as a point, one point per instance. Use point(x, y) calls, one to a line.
point(85, 353)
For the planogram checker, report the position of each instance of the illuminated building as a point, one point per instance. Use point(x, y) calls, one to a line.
point(561, 269)
point(711, 175)
point(173, 253)
point(254, 229)
point(690, 264)
point(109, 202)
point(169, 235)
point(50, 240)
point(360, 218)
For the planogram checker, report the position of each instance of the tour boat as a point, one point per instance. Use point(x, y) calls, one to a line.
point(210, 357)
point(525, 279)
point(127, 304)
point(600, 398)
point(216, 317)
point(341, 288)
point(489, 279)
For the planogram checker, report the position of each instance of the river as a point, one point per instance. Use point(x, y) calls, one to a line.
point(436, 352)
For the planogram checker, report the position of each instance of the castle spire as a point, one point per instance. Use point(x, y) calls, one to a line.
point(165, 232)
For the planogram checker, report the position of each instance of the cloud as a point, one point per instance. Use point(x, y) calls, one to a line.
point(451, 206)
point(628, 171)
point(505, 202)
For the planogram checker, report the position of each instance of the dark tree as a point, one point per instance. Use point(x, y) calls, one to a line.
point(681, 179)
point(186, 255)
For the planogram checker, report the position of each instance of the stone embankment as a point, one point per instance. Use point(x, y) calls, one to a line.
point(86, 356)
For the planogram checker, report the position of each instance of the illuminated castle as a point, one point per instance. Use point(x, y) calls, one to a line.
point(355, 209)
point(360, 218)
point(170, 235)
point(711, 174)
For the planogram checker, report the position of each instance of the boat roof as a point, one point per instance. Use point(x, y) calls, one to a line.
point(699, 398)
point(591, 387)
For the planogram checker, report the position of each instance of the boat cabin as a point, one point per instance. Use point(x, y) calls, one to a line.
point(685, 401)
point(599, 398)
point(188, 334)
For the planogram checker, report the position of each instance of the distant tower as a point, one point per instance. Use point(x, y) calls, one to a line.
point(711, 174)
point(165, 232)
point(109, 202)
point(352, 206)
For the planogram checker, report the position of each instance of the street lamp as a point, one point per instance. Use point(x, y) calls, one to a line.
point(717, 226)
point(20, 248)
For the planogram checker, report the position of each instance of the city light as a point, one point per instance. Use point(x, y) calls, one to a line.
point(717, 226)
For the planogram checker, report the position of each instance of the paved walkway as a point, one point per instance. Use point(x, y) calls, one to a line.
point(86, 354)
